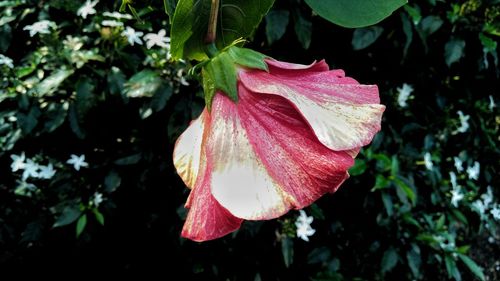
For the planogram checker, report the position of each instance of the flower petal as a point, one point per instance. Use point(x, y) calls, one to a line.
point(207, 219)
point(239, 180)
point(278, 166)
point(286, 67)
point(187, 150)
point(343, 114)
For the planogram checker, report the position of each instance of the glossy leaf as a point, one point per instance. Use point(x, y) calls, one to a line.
point(352, 14)
point(237, 19)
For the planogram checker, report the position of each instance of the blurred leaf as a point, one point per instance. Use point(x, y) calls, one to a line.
point(74, 122)
point(316, 212)
point(352, 14)
point(389, 260)
point(451, 268)
point(129, 160)
point(56, 114)
point(414, 14)
point(414, 260)
point(276, 23)
point(387, 200)
point(28, 121)
point(98, 216)
point(112, 181)
point(453, 51)
point(408, 30)
point(472, 265)
point(85, 99)
point(116, 81)
point(319, 255)
point(364, 37)
point(80, 225)
point(52, 83)
point(5, 36)
point(406, 189)
point(381, 182)
point(303, 30)
point(359, 167)
point(287, 250)
point(69, 215)
point(161, 97)
point(143, 84)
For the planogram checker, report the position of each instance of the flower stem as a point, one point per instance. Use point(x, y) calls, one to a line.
point(212, 22)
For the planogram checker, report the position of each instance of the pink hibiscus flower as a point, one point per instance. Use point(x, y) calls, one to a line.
point(290, 138)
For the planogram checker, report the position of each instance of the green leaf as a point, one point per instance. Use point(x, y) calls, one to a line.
point(408, 191)
point(453, 51)
point(276, 23)
point(364, 37)
point(353, 14)
point(68, 216)
point(408, 30)
point(221, 75)
point(74, 122)
point(169, 6)
point(80, 225)
point(112, 181)
point(381, 182)
point(287, 251)
point(303, 30)
point(389, 260)
point(319, 255)
point(247, 57)
point(129, 160)
point(387, 200)
point(55, 115)
point(414, 260)
point(98, 216)
point(237, 19)
point(451, 268)
point(51, 83)
point(472, 265)
point(85, 98)
point(143, 84)
point(28, 121)
point(161, 97)
point(359, 167)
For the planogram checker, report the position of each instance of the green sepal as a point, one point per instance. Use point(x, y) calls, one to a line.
point(248, 58)
point(220, 73)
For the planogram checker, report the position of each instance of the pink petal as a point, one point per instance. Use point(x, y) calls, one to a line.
point(266, 158)
point(343, 114)
point(286, 67)
point(207, 219)
point(239, 180)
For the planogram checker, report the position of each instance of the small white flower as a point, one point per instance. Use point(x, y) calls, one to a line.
point(404, 94)
point(46, 172)
point(97, 200)
point(77, 161)
point(159, 39)
point(479, 207)
point(182, 79)
point(458, 164)
point(30, 170)
point(117, 15)
point(456, 196)
point(495, 212)
point(487, 197)
point(303, 224)
point(453, 180)
point(132, 35)
point(6, 61)
point(464, 123)
point(428, 161)
point(492, 103)
point(17, 162)
point(473, 171)
point(41, 27)
point(111, 23)
point(87, 9)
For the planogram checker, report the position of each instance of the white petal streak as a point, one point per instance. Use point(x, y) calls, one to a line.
point(187, 151)
point(240, 181)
